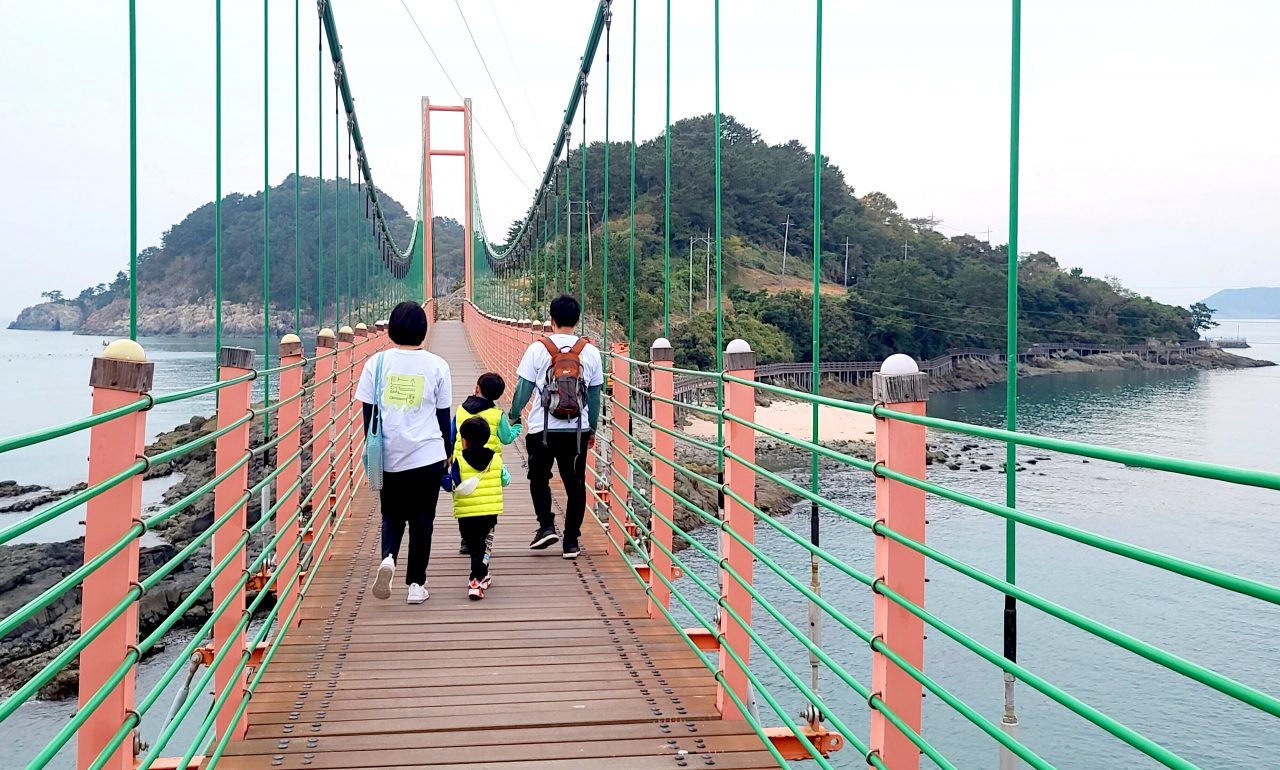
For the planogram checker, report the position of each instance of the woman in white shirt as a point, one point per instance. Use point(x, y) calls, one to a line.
point(414, 407)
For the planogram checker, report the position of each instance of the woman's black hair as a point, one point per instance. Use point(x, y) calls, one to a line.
point(408, 324)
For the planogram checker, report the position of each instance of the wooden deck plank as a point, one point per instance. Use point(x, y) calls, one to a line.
point(558, 668)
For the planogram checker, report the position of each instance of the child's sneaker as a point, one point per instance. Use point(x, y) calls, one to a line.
point(484, 584)
point(382, 585)
point(475, 591)
point(417, 594)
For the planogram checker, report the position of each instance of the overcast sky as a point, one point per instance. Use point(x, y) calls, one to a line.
point(1149, 129)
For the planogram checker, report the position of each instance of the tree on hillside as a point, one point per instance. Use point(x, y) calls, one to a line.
point(53, 295)
point(1202, 317)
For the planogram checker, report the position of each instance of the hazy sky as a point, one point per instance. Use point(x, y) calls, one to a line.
point(1149, 129)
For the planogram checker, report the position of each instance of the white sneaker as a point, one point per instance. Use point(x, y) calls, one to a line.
point(417, 594)
point(382, 585)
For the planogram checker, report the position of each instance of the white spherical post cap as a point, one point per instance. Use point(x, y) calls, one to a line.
point(661, 342)
point(288, 338)
point(899, 363)
point(346, 330)
point(738, 346)
point(124, 350)
point(325, 332)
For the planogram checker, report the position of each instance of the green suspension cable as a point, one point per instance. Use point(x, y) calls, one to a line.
point(297, 173)
point(217, 194)
point(337, 214)
point(631, 278)
point(347, 235)
point(815, 618)
point(720, 315)
point(266, 221)
point(666, 187)
point(604, 335)
point(320, 180)
point(133, 171)
point(719, 191)
point(1011, 383)
point(586, 219)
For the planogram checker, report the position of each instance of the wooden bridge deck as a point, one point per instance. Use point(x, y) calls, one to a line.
point(558, 668)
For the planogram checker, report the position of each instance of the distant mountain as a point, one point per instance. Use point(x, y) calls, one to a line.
point(1258, 302)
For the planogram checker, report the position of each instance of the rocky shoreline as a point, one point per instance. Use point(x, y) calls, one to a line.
point(29, 569)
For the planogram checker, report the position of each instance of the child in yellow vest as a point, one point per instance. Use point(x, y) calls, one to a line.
point(476, 478)
point(489, 388)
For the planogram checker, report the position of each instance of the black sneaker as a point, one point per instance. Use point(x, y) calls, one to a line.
point(462, 549)
point(571, 549)
point(545, 536)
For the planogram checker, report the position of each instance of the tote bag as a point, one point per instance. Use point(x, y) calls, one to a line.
point(373, 441)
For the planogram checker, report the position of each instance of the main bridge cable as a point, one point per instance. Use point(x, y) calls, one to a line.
point(399, 260)
point(576, 94)
point(492, 82)
point(458, 92)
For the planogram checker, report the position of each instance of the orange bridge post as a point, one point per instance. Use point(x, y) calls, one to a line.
point(289, 414)
point(233, 403)
point(661, 384)
point(740, 401)
point(117, 378)
point(900, 446)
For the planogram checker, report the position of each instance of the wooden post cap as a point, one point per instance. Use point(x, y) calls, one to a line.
point(236, 358)
point(362, 330)
point(346, 334)
point(738, 356)
point(290, 345)
point(661, 350)
point(899, 381)
point(325, 339)
point(382, 326)
point(133, 376)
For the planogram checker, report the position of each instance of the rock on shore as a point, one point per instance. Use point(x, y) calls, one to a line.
point(50, 317)
point(29, 569)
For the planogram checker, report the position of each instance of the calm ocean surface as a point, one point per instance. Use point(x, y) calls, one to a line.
point(1221, 416)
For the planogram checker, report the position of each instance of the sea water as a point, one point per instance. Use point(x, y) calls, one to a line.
point(1225, 416)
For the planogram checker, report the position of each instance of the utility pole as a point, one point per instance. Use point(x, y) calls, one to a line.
point(846, 261)
point(785, 233)
point(707, 287)
point(707, 290)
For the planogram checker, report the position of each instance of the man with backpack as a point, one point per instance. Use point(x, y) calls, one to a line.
point(562, 374)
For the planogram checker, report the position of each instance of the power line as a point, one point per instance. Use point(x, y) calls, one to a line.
point(519, 78)
point(860, 289)
point(492, 82)
point(456, 90)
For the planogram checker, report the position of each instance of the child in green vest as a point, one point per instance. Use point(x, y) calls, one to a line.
point(476, 478)
point(489, 388)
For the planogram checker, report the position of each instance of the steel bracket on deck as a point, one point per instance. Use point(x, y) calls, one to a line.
point(643, 569)
point(790, 747)
point(706, 641)
point(208, 653)
point(173, 763)
point(258, 580)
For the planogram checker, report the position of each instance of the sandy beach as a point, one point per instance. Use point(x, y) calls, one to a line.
point(795, 418)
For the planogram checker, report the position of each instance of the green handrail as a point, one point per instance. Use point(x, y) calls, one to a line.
point(1235, 583)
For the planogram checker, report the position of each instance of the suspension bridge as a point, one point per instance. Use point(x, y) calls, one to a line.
point(651, 649)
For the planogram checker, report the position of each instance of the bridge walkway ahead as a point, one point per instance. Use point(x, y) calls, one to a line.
point(559, 667)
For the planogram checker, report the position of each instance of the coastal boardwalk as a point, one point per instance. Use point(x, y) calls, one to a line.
point(558, 668)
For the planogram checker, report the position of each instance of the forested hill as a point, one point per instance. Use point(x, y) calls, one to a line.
point(180, 271)
point(912, 289)
point(185, 257)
